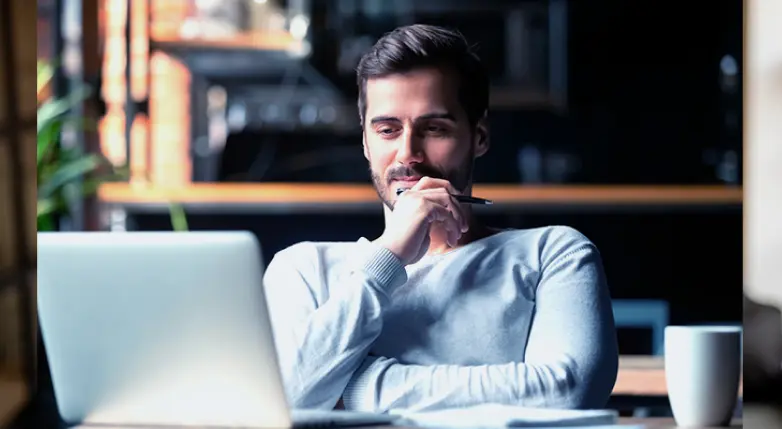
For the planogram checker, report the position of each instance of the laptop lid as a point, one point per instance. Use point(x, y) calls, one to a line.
point(159, 328)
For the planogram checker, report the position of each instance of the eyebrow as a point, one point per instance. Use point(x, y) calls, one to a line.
point(448, 116)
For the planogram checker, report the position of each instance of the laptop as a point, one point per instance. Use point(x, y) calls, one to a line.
point(165, 328)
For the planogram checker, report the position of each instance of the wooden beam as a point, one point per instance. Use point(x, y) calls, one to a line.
point(325, 193)
point(271, 41)
point(17, 21)
point(25, 125)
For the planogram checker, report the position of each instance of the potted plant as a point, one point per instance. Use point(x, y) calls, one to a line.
point(69, 174)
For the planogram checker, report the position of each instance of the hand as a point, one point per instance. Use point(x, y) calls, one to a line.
point(407, 228)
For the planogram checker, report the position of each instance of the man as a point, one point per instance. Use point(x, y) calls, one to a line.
point(440, 311)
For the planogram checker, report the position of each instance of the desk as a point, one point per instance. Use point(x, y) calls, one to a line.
point(666, 422)
point(651, 423)
point(643, 376)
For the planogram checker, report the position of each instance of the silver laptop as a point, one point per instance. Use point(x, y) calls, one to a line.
point(164, 329)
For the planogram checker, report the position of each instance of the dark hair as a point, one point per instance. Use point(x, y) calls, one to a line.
point(416, 46)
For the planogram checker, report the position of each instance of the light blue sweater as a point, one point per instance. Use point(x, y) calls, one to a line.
point(521, 317)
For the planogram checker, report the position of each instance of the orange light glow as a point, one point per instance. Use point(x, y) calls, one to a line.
point(159, 144)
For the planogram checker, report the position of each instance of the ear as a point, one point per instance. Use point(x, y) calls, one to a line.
point(481, 137)
point(364, 144)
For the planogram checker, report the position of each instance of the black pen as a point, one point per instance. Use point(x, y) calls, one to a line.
point(460, 198)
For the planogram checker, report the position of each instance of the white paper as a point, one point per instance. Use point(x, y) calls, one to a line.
point(501, 416)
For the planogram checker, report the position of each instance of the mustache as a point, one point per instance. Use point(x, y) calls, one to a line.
point(413, 170)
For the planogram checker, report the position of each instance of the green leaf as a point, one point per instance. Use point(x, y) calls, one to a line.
point(46, 223)
point(45, 74)
point(47, 139)
point(178, 217)
point(90, 186)
point(49, 134)
point(47, 206)
point(46, 172)
point(67, 173)
point(50, 110)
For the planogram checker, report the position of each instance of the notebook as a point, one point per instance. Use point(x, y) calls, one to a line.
point(501, 416)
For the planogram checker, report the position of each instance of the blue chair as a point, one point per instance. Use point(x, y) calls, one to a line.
point(650, 314)
point(644, 313)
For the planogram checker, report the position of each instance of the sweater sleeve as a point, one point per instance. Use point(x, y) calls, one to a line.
point(571, 358)
point(319, 347)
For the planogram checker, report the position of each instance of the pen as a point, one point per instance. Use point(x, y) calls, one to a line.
point(460, 198)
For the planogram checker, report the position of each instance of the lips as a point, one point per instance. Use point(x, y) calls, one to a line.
point(407, 179)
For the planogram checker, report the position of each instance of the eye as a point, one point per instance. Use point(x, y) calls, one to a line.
point(386, 131)
point(435, 130)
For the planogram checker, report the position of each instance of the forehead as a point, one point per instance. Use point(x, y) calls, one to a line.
point(414, 93)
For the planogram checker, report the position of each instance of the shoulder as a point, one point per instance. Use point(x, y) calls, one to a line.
point(301, 274)
point(564, 243)
point(547, 244)
point(567, 265)
point(315, 264)
point(309, 256)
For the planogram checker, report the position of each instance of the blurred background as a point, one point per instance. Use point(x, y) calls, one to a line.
point(621, 119)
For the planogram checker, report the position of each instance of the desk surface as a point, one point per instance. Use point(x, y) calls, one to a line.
point(643, 376)
point(666, 422)
point(651, 423)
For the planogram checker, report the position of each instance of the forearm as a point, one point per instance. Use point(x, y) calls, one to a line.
point(383, 385)
point(570, 359)
point(319, 350)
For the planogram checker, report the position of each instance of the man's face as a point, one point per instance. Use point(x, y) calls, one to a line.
point(414, 126)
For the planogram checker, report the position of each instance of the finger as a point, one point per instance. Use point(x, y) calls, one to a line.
point(440, 214)
point(435, 212)
point(458, 210)
point(452, 236)
point(431, 183)
point(443, 198)
point(449, 224)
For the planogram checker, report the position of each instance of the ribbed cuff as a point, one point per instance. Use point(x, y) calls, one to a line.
point(385, 268)
point(361, 393)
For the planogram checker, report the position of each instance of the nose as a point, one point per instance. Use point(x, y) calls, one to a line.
point(409, 149)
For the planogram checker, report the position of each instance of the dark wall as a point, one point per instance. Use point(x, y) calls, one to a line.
point(646, 104)
point(645, 89)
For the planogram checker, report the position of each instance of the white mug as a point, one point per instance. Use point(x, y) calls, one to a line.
point(702, 372)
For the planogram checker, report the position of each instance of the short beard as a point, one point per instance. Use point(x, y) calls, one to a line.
point(460, 178)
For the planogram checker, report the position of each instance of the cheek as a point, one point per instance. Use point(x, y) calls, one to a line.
point(379, 159)
point(449, 155)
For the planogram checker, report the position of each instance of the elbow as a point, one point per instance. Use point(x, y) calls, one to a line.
point(312, 398)
point(317, 389)
point(579, 387)
point(596, 383)
point(595, 374)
